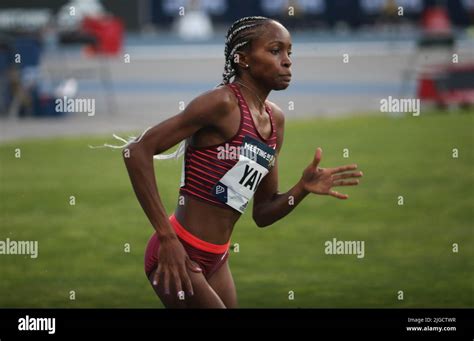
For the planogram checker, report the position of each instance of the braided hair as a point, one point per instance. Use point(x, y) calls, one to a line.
point(239, 35)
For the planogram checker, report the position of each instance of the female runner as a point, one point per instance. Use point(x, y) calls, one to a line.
point(232, 137)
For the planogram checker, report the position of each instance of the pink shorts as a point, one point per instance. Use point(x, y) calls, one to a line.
point(207, 255)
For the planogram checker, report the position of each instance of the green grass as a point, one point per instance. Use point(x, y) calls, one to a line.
point(407, 247)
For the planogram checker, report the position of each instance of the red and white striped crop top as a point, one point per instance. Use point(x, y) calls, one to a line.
point(204, 167)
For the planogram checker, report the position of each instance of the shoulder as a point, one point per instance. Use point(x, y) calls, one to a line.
point(218, 101)
point(210, 107)
point(278, 115)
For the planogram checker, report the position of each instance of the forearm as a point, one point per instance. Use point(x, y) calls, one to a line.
point(140, 169)
point(280, 205)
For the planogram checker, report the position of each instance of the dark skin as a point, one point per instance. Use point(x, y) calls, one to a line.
point(209, 119)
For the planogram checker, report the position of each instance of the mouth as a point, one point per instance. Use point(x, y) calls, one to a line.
point(286, 77)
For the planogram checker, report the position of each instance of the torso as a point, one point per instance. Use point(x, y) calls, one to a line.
point(208, 222)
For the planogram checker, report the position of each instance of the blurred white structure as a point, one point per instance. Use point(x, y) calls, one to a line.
point(67, 88)
point(194, 25)
point(70, 15)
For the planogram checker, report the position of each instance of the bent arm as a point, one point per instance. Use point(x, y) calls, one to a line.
point(138, 157)
point(270, 205)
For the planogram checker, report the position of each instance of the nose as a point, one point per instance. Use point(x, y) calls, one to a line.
point(286, 62)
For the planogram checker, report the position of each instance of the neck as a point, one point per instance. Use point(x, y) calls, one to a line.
point(254, 92)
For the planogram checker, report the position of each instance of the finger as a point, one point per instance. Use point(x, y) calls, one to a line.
point(177, 282)
point(343, 168)
point(167, 282)
point(345, 183)
point(193, 266)
point(347, 175)
point(156, 277)
point(317, 157)
point(187, 282)
point(338, 195)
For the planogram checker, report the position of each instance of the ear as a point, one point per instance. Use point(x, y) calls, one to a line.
point(241, 59)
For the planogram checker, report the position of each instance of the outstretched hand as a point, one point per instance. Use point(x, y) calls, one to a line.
point(321, 180)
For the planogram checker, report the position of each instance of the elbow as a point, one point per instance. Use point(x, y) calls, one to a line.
point(134, 158)
point(260, 221)
point(127, 153)
point(132, 153)
point(260, 224)
point(260, 216)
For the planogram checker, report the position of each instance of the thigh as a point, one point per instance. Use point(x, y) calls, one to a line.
point(204, 295)
point(223, 284)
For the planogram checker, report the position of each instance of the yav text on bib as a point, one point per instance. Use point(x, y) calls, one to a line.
point(239, 184)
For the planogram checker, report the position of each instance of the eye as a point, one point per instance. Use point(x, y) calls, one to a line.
point(290, 53)
point(275, 51)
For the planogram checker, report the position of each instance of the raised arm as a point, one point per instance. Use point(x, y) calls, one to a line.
point(203, 111)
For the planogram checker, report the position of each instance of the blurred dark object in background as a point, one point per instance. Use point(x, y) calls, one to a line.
point(20, 56)
point(447, 85)
point(6, 69)
point(76, 37)
point(308, 14)
point(25, 32)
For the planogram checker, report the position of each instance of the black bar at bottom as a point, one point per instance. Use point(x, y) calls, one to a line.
point(380, 322)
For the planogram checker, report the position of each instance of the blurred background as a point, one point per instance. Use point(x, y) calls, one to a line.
point(143, 61)
point(140, 60)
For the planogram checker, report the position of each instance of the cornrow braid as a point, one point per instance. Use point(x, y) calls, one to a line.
point(240, 34)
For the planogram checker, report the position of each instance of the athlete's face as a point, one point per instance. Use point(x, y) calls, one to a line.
point(269, 58)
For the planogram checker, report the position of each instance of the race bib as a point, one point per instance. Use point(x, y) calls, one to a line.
point(239, 184)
